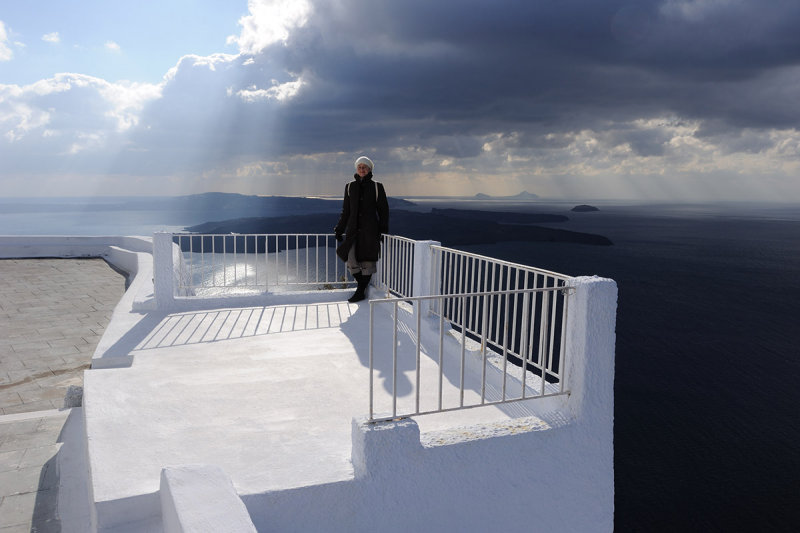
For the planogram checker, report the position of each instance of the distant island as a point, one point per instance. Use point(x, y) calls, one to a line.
point(583, 208)
point(523, 196)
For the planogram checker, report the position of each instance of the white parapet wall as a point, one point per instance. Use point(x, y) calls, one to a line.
point(201, 499)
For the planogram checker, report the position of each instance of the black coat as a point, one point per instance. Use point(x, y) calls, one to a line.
point(365, 217)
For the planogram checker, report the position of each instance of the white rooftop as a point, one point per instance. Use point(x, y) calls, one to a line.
point(274, 397)
point(266, 393)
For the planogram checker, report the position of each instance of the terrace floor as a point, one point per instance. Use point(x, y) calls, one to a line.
point(52, 315)
point(266, 393)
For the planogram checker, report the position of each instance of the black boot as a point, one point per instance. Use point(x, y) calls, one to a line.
point(359, 294)
point(365, 279)
point(361, 290)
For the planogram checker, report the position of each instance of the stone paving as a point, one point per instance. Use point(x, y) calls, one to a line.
point(52, 315)
point(28, 473)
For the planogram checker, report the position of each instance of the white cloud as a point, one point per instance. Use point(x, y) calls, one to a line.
point(86, 141)
point(112, 46)
point(279, 91)
point(127, 101)
point(190, 61)
point(17, 119)
point(77, 110)
point(259, 169)
point(51, 37)
point(6, 54)
point(269, 22)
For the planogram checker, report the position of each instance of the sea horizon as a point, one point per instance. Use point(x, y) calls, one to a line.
point(144, 215)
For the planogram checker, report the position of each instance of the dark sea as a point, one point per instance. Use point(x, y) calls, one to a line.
point(707, 385)
point(90, 216)
point(707, 388)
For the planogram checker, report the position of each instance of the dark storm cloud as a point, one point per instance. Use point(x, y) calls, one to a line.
point(445, 75)
point(473, 68)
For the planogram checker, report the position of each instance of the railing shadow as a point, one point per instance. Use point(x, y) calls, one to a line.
point(356, 328)
point(199, 327)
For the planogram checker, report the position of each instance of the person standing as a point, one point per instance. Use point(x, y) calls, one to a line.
point(364, 218)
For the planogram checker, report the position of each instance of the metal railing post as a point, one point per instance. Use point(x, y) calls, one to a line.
point(371, 361)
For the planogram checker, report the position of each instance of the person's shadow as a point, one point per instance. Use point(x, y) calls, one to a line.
point(357, 327)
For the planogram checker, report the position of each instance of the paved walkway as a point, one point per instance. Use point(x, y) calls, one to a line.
point(52, 314)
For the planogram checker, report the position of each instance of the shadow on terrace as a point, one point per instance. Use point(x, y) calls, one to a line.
point(220, 325)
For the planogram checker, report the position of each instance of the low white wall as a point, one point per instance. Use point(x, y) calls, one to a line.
point(123, 259)
point(201, 499)
point(113, 351)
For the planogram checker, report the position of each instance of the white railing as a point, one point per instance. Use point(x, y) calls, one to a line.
point(485, 377)
point(249, 263)
point(458, 272)
point(396, 267)
point(506, 313)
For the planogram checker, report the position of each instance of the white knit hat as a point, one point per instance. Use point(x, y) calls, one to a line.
point(365, 161)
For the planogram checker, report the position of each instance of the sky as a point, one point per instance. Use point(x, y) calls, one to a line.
point(653, 100)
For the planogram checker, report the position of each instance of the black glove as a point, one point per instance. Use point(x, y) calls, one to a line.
point(339, 237)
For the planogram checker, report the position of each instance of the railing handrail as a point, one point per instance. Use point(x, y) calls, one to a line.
point(329, 233)
point(191, 234)
point(528, 268)
point(470, 294)
point(399, 238)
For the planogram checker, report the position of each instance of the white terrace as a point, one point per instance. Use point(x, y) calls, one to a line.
point(236, 390)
